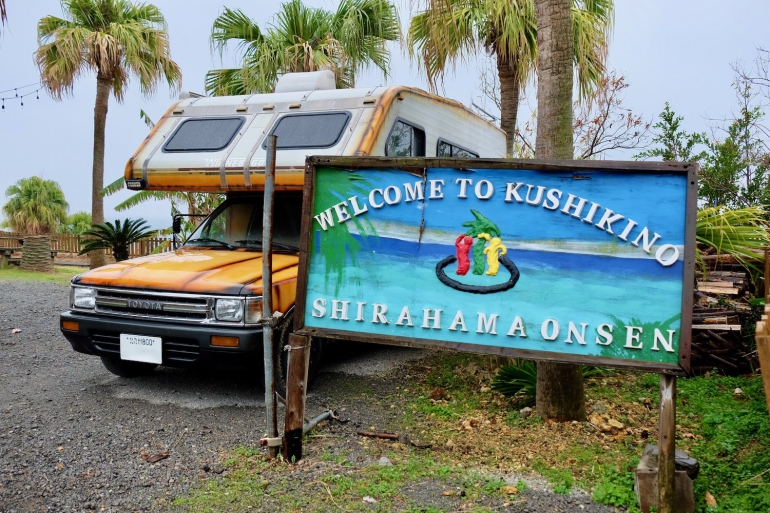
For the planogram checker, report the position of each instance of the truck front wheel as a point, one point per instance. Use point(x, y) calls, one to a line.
point(125, 368)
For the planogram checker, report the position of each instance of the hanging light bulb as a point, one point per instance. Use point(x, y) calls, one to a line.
point(3, 103)
point(16, 92)
point(22, 101)
point(37, 96)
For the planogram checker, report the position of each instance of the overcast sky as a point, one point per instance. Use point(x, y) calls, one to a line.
point(680, 52)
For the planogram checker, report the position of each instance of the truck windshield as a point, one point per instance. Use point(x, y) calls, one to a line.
point(237, 223)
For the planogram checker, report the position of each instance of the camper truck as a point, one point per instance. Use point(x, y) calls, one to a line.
point(200, 305)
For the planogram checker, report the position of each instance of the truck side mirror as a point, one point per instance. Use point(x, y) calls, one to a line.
point(177, 224)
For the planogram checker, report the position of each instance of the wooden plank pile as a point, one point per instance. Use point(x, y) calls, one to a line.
point(717, 337)
point(731, 284)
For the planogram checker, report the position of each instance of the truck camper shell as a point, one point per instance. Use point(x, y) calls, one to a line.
point(218, 144)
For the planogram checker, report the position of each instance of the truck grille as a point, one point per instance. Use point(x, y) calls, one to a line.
point(148, 305)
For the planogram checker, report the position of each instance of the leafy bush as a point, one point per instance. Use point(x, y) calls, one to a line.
point(521, 379)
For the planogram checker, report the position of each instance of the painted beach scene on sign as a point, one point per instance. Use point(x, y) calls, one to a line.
point(587, 263)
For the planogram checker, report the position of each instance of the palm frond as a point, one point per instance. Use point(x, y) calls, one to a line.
point(519, 379)
point(113, 187)
point(146, 118)
point(234, 25)
point(143, 196)
point(741, 233)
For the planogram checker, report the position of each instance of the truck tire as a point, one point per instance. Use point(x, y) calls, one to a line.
point(281, 340)
point(127, 369)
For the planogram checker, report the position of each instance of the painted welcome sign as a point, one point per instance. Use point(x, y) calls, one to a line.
point(590, 263)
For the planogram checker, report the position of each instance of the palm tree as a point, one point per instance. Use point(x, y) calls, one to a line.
point(35, 206)
point(304, 39)
point(560, 392)
point(114, 39)
point(448, 31)
point(118, 237)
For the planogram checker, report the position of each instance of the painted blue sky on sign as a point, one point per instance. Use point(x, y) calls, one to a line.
point(651, 200)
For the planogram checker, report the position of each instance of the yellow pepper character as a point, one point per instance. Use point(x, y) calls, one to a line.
point(493, 252)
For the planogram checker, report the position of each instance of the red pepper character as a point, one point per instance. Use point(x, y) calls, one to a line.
point(463, 245)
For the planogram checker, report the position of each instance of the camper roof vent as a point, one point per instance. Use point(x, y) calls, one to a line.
point(307, 81)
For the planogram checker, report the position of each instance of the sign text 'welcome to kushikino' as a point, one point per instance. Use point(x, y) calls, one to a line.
point(589, 263)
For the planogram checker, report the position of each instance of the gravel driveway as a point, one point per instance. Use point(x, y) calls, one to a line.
point(72, 435)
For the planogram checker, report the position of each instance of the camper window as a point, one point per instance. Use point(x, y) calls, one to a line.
point(210, 134)
point(405, 140)
point(317, 130)
point(446, 149)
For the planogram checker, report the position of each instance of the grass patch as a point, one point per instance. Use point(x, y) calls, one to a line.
point(60, 274)
point(477, 437)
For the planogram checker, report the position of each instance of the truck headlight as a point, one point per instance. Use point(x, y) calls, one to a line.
point(253, 309)
point(229, 310)
point(83, 297)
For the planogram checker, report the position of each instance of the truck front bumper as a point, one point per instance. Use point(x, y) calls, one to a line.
point(183, 345)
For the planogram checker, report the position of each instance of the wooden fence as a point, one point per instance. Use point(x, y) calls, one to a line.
point(68, 243)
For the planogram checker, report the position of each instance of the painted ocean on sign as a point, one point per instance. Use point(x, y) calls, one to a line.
point(545, 261)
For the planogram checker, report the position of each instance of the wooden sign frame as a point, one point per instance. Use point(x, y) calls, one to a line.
point(419, 166)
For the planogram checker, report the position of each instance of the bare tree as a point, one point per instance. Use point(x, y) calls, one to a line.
point(601, 123)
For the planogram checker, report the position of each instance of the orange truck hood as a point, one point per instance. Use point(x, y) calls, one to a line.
point(205, 271)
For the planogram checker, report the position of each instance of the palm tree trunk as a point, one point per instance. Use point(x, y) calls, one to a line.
point(509, 99)
point(103, 86)
point(555, 79)
point(560, 395)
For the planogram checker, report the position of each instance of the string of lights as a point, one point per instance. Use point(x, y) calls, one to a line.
point(20, 97)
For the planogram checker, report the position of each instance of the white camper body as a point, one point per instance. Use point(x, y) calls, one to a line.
point(218, 144)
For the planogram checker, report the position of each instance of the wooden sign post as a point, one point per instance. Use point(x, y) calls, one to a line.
point(666, 445)
point(296, 389)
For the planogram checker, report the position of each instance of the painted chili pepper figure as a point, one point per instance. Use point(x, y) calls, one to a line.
point(493, 252)
point(463, 244)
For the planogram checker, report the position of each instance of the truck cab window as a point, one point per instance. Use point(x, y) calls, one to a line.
point(405, 140)
point(237, 223)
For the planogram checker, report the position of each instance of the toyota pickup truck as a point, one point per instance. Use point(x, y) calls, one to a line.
point(200, 305)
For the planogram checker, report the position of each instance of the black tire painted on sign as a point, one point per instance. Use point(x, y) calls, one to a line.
point(127, 369)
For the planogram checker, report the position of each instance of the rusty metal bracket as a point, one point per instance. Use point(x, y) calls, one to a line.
point(273, 321)
point(271, 442)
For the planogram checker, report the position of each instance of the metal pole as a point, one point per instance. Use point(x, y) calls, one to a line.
point(313, 423)
point(667, 445)
point(267, 288)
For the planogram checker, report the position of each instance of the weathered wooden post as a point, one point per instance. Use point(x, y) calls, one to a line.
point(267, 293)
point(296, 389)
point(666, 445)
point(763, 351)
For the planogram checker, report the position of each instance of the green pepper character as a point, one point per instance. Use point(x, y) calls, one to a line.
point(475, 228)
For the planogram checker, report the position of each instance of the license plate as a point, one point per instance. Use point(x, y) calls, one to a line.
point(139, 348)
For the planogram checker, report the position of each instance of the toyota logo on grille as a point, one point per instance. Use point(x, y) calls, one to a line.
point(137, 304)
